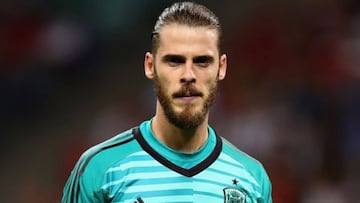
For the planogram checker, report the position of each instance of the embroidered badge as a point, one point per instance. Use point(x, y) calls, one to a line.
point(233, 194)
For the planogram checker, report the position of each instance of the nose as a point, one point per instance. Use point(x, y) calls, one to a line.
point(188, 74)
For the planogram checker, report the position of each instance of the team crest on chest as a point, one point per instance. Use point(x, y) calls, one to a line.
point(233, 194)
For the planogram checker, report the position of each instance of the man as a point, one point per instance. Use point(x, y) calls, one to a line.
point(175, 156)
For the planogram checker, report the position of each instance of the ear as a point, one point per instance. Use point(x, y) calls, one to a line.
point(149, 66)
point(222, 67)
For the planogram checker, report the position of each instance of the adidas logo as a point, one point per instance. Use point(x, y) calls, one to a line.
point(139, 200)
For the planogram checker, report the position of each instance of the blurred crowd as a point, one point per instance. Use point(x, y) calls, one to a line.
point(71, 75)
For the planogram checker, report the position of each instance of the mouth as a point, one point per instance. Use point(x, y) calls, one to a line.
point(188, 94)
point(187, 99)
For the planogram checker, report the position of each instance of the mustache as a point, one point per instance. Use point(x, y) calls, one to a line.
point(187, 91)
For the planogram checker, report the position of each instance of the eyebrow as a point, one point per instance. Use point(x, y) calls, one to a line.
point(203, 58)
point(171, 57)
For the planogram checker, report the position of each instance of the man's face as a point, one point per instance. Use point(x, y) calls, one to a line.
point(186, 69)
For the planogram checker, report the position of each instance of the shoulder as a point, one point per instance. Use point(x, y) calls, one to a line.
point(251, 167)
point(86, 178)
point(99, 157)
point(247, 162)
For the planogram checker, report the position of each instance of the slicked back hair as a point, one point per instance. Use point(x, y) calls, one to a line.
point(189, 14)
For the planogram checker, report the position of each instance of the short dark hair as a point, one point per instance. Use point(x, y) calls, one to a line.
point(186, 13)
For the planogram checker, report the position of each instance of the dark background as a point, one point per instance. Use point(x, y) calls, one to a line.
point(71, 75)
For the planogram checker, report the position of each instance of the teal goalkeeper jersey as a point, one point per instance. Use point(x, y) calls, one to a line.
point(135, 167)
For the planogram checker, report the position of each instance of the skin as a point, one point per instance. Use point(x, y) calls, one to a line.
point(187, 56)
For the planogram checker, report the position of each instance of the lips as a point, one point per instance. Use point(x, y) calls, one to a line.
point(189, 92)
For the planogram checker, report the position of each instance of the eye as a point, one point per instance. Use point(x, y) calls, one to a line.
point(203, 61)
point(174, 60)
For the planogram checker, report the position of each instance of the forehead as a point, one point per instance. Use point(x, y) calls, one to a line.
point(184, 40)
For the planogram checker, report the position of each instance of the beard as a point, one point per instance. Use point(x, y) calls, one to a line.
point(188, 118)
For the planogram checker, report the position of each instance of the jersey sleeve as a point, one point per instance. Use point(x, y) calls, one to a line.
point(266, 188)
point(87, 181)
point(83, 186)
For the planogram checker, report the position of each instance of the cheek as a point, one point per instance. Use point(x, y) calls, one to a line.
point(213, 79)
point(164, 84)
point(211, 84)
point(168, 80)
point(164, 81)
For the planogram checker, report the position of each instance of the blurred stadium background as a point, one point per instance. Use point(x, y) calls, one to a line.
point(71, 75)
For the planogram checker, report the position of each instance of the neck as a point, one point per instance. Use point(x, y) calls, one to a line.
point(183, 140)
